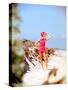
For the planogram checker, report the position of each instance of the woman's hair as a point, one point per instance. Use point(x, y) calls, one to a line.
point(43, 33)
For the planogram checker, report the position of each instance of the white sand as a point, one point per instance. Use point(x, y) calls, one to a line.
point(37, 76)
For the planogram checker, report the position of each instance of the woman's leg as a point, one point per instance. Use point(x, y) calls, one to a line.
point(45, 59)
point(40, 58)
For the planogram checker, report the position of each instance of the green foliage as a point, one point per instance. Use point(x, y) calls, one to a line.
point(17, 61)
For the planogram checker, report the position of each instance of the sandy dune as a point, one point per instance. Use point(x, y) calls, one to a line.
point(39, 76)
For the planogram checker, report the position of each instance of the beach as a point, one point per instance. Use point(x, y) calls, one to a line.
point(54, 74)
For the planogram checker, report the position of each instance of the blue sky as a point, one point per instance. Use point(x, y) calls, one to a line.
point(38, 18)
